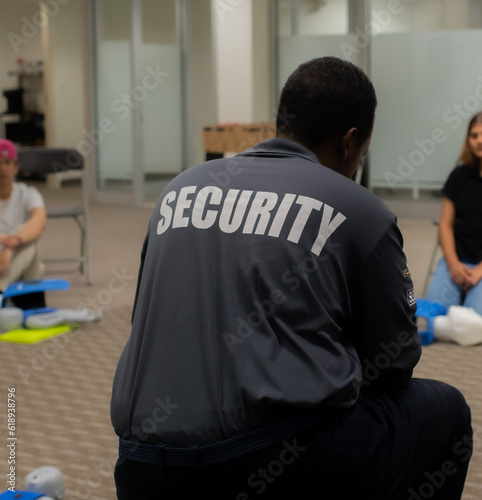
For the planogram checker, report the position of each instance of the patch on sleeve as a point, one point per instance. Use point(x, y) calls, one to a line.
point(406, 272)
point(411, 297)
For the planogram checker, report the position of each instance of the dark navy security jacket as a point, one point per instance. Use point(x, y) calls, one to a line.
point(268, 285)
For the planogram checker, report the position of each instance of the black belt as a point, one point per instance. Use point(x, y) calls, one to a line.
point(211, 454)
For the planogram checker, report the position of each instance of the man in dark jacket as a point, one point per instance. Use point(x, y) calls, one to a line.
point(273, 337)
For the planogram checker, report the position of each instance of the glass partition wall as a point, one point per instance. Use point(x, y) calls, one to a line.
point(308, 29)
point(113, 107)
point(423, 58)
point(154, 82)
point(144, 93)
point(315, 28)
point(161, 77)
point(427, 72)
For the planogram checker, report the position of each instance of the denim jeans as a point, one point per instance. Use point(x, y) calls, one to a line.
point(404, 444)
point(444, 290)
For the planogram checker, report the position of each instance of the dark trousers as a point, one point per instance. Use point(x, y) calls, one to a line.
point(410, 444)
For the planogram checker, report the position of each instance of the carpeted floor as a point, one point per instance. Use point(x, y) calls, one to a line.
point(63, 385)
point(460, 367)
point(63, 388)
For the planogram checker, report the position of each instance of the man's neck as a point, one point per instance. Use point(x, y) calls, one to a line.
point(325, 153)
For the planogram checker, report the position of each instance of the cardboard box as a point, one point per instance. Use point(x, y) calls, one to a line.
point(211, 140)
point(234, 138)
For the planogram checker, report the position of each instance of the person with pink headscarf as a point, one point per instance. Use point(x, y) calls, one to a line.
point(22, 222)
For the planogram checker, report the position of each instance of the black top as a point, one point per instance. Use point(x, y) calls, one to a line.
point(464, 189)
point(269, 284)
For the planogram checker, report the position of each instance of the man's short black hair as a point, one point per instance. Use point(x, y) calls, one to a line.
point(324, 98)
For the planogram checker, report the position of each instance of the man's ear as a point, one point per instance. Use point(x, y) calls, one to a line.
point(348, 143)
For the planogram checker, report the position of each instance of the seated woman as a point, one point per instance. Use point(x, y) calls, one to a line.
point(457, 277)
point(22, 222)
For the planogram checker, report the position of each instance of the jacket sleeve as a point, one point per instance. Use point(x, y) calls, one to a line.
point(384, 307)
point(139, 276)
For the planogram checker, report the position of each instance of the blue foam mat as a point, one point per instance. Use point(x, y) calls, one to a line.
point(429, 310)
point(33, 286)
point(20, 495)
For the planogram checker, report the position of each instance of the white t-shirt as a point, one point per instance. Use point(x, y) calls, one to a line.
point(15, 211)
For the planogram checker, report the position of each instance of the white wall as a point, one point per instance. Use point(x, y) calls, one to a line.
point(262, 63)
point(203, 84)
point(54, 34)
point(233, 33)
point(327, 18)
point(243, 61)
point(65, 45)
point(313, 17)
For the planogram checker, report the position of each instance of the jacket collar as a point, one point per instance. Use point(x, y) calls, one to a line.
point(280, 148)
